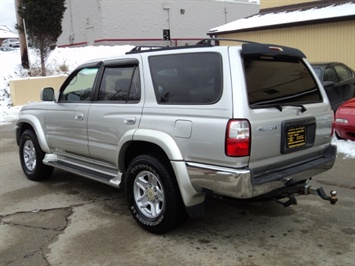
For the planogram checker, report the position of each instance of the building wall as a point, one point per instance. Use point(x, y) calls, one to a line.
point(28, 90)
point(113, 22)
point(276, 3)
point(333, 41)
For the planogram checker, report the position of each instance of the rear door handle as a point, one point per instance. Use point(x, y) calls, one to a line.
point(79, 116)
point(130, 121)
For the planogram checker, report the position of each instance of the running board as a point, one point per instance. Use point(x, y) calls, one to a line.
point(109, 176)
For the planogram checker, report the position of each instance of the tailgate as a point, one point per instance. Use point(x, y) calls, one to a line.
point(290, 117)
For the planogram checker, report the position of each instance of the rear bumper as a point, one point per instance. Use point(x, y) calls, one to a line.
point(345, 131)
point(239, 183)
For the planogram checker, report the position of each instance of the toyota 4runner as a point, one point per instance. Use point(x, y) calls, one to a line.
point(172, 124)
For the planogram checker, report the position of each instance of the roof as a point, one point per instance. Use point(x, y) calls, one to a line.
point(5, 33)
point(305, 13)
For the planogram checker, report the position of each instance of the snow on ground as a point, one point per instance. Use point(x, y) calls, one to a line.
point(63, 61)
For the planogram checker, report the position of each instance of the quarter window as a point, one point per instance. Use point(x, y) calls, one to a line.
point(194, 78)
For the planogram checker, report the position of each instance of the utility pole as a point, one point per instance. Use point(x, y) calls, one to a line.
point(22, 38)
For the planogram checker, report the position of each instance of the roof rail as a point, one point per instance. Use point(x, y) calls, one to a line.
point(201, 43)
point(208, 41)
point(144, 48)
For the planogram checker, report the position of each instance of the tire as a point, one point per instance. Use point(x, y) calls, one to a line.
point(338, 136)
point(153, 195)
point(31, 157)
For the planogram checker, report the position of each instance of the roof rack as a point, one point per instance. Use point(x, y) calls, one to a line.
point(143, 48)
point(202, 43)
point(208, 41)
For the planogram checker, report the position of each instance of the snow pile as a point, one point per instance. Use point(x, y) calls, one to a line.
point(346, 147)
point(65, 60)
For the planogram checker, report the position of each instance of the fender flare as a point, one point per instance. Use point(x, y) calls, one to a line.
point(36, 125)
point(162, 139)
point(190, 196)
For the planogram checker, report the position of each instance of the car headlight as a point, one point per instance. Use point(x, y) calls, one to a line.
point(341, 120)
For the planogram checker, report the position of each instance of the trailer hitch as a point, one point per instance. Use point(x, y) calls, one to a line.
point(320, 192)
point(302, 189)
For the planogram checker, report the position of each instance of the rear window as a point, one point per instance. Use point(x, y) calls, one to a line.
point(194, 78)
point(278, 80)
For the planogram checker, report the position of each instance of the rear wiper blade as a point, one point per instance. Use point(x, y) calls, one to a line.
point(278, 106)
point(303, 109)
point(266, 105)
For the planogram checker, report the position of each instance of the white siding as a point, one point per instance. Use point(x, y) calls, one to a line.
point(334, 41)
point(93, 21)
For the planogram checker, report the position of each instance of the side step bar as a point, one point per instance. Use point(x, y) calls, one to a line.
point(106, 177)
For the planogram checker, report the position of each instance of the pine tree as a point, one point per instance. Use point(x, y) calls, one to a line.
point(43, 23)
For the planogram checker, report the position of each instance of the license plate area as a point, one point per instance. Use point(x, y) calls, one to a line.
point(297, 134)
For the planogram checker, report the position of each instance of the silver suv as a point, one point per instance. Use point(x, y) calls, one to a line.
point(172, 124)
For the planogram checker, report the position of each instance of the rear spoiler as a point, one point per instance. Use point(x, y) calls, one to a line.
point(270, 50)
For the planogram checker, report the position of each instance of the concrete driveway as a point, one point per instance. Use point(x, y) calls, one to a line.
point(69, 220)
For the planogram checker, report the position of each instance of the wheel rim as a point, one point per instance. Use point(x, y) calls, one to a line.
point(29, 155)
point(148, 194)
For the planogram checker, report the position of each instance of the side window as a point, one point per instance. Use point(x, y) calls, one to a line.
point(120, 84)
point(330, 75)
point(343, 73)
point(80, 86)
point(194, 78)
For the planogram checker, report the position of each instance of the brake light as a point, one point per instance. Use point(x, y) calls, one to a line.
point(237, 143)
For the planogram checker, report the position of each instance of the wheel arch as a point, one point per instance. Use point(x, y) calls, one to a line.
point(162, 146)
point(32, 123)
point(148, 141)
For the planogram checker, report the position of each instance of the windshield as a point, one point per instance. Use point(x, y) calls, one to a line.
point(275, 80)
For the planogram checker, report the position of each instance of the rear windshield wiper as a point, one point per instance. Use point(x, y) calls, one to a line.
point(278, 106)
point(303, 109)
point(266, 105)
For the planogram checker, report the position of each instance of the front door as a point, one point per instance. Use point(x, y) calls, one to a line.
point(66, 121)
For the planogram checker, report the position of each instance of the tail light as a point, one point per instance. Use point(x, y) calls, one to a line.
point(237, 138)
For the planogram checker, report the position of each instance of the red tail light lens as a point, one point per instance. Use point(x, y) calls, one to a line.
point(238, 138)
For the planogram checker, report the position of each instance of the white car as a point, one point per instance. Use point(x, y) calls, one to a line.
point(8, 44)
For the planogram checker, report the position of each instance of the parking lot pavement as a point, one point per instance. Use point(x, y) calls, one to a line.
point(69, 220)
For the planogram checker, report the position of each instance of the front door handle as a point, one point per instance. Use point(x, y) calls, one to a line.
point(79, 116)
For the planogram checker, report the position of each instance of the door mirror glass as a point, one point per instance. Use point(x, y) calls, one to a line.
point(47, 94)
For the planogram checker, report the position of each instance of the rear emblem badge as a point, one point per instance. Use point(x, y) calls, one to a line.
point(266, 128)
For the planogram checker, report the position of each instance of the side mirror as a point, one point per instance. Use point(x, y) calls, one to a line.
point(328, 84)
point(47, 94)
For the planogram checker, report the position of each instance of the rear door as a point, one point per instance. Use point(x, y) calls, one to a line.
point(290, 119)
point(116, 110)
